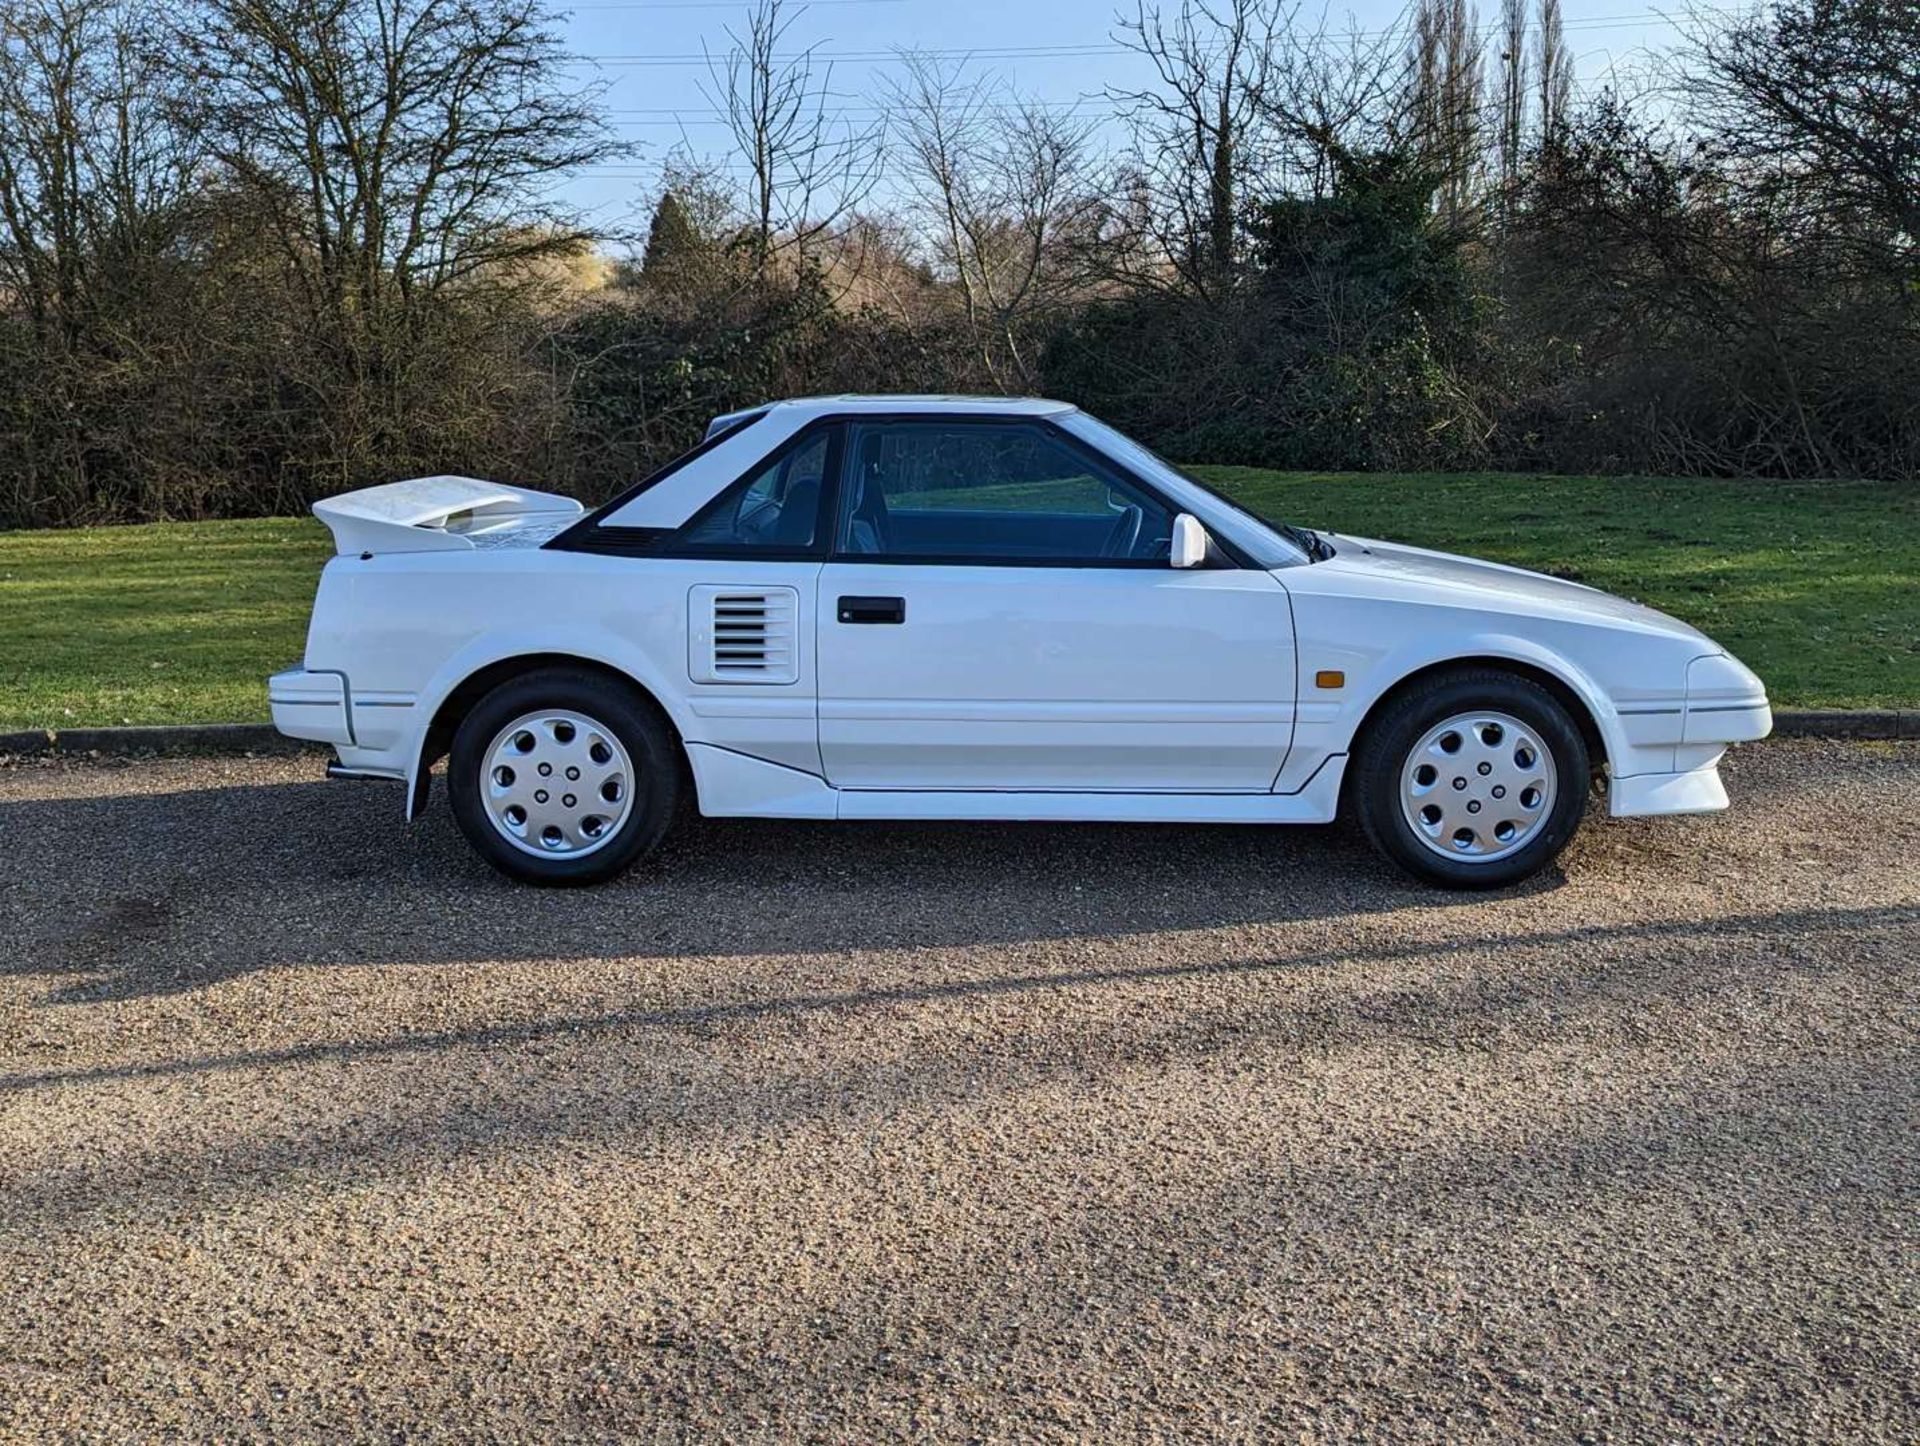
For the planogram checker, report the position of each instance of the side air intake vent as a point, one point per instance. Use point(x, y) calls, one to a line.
point(743, 635)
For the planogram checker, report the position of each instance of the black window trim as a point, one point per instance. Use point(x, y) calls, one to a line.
point(590, 535)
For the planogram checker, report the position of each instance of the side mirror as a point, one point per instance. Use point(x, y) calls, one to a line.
point(1190, 541)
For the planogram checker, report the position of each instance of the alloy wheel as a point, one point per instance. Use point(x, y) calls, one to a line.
point(557, 783)
point(1478, 786)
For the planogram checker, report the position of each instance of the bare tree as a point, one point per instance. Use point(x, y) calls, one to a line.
point(1554, 74)
point(806, 172)
point(1010, 202)
point(1330, 98)
point(1197, 131)
point(1510, 137)
point(1447, 80)
point(1818, 99)
point(92, 171)
point(105, 297)
point(399, 148)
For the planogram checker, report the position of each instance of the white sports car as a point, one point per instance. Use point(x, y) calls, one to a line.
point(958, 608)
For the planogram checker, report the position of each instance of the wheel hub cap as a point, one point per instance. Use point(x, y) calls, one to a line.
point(557, 784)
point(1478, 786)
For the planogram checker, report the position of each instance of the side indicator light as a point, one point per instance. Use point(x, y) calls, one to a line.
point(1327, 678)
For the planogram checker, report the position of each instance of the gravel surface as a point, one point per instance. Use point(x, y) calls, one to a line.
point(311, 1126)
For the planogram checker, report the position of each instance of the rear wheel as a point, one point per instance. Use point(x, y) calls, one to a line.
point(1472, 779)
point(563, 776)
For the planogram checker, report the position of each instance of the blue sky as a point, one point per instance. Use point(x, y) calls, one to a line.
point(648, 53)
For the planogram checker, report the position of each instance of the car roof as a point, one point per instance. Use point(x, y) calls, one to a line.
point(882, 402)
point(932, 406)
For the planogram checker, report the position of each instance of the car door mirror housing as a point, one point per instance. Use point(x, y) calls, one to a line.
point(1191, 545)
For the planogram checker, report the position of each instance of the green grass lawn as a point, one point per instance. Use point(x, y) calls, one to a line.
point(173, 623)
point(1815, 585)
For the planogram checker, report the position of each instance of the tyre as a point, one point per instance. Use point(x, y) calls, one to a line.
point(1472, 779)
point(564, 776)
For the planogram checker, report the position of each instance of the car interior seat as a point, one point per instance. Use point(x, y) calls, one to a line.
point(868, 531)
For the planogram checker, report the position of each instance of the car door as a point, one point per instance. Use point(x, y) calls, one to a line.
point(999, 613)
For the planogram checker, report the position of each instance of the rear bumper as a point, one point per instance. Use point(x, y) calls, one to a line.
point(312, 706)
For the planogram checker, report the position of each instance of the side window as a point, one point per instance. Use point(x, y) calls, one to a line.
point(776, 509)
point(988, 492)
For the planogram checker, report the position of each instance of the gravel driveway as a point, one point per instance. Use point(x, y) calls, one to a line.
point(309, 1125)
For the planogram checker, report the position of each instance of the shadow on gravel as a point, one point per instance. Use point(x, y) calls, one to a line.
point(573, 1088)
point(1654, 967)
point(136, 895)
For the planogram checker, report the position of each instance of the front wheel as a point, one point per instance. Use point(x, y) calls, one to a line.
point(563, 776)
point(1472, 779)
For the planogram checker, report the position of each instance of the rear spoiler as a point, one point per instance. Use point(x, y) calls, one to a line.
point(431, 513)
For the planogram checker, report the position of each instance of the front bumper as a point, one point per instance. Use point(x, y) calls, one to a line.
point(1725, 704)
point(1698, 790)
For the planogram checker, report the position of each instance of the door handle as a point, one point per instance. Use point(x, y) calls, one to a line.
point(873, 610)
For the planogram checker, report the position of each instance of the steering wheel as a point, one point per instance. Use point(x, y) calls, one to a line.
point(1125, 534)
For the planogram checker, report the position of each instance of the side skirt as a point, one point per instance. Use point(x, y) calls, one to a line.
point(732, 785)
